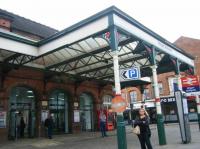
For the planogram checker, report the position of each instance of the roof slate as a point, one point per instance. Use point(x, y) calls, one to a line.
point(28, 26)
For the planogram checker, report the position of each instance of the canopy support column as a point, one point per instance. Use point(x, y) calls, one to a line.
point(177, 73)
point(160, 121)
point(121, 131)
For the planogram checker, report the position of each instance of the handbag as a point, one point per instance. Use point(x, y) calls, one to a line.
point(136, 130)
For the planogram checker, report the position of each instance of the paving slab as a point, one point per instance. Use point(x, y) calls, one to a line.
point(92, 140)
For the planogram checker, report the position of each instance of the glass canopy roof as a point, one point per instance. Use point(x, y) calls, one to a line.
point(91, 55)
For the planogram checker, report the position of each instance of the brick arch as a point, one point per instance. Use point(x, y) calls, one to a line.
point(36, 92)
point(88, 93)
point(69, 102)
point(37, 95)
point(105, 92)
point(68, 93)
point(9, 85)
point(91, 92)
point(129, 89)
point(94, 110)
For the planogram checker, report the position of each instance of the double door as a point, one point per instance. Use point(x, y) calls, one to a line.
point(15, 127)
point(59, 120)
point(86, 119)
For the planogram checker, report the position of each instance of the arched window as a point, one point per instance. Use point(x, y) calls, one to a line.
point(107, 101)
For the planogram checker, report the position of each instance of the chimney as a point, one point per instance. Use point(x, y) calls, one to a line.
point(5, 21)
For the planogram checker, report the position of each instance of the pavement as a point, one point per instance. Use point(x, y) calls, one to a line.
point(90, 140)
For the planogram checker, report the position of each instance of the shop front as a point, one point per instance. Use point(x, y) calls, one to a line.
point(169, 109)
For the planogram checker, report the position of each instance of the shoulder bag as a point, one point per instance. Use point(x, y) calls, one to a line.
point(136, 130)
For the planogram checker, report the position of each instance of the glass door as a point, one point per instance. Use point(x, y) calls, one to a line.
point(86, 112)
point(59, 110)
point(21, 106)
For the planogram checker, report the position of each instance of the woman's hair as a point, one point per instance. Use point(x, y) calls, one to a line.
point(145, 112)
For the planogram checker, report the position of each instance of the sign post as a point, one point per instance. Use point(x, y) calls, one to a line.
point(190, 85)
point(121, 130)
point(182, 111)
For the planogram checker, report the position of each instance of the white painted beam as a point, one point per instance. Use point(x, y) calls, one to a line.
point(118, 21)
point(18, 47)
point(85, 31)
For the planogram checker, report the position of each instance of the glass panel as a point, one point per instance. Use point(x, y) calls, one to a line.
point(59, 109)
point(133, 96)
point(107, 101)
point(160, 86)
point(86, 114)
point(21, 107)
point(146, 94)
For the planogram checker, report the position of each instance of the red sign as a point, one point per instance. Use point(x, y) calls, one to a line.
point(190, 84)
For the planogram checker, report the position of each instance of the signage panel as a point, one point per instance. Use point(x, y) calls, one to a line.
point(170, 99)
point(190, 84)
point(130, 74)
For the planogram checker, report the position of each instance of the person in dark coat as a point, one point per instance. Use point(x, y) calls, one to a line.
point(49, 125)
point(22, 127)
point(145, 133)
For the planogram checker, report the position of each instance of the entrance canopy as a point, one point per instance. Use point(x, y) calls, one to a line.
point(84, 50)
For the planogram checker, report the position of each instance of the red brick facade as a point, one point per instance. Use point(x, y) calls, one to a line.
point(33, 79)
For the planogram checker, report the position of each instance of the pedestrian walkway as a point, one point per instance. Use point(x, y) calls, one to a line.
point(91, 140)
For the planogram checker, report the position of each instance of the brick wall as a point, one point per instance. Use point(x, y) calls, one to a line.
point(33, 79)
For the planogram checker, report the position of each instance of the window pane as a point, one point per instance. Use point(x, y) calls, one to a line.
point(160, 86)
point(133, 96)
point(146, 94)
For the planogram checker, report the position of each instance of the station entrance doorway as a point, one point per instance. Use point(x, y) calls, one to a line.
point(58, 106)
point(22, 115)
point(86, 112)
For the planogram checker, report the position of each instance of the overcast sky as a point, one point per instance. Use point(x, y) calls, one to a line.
point(169, 18)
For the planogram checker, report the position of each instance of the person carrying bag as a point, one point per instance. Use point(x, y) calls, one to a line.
point(142, 130)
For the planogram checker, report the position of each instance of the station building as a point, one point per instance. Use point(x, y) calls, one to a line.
point(32, 92)
point(33, 86)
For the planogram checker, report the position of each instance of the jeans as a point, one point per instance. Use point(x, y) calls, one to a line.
point(103, 129)
point(145, 141)
point(49, 133)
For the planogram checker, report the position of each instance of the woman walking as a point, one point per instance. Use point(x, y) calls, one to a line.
point(145, 133)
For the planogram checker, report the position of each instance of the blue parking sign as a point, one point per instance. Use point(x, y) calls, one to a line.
point(133, 73)
point(130, 74)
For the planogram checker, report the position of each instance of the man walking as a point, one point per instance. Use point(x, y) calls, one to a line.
point(49, 125)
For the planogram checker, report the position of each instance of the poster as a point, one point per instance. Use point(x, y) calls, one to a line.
point(76, 116)
point(2, 119)
point(44, 115)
